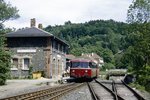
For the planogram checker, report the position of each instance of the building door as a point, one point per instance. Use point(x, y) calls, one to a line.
point(58, 68)
point(53, 67)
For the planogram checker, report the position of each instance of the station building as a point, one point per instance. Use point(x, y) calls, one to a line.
point(35, 51)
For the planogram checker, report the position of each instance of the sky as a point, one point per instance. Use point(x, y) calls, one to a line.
point(57, 12)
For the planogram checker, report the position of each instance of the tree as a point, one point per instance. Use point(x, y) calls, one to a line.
point(139, 11)
point(7, 12)
point(138, 54)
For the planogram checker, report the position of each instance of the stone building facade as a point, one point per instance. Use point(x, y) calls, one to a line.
point(37, 49)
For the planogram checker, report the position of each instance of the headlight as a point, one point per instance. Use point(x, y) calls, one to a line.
point(86, 71)
point(73, 70)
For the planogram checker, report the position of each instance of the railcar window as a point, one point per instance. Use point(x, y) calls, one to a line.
point(79, 64)
point(92, 65)
point(84, 64)
point(75, 64)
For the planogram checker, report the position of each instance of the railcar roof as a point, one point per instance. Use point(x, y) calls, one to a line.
point(80, 60)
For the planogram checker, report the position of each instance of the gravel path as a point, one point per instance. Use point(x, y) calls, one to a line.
point(16, 87)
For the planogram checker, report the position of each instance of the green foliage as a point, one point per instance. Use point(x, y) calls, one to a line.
point(137, 86)
point(30, 72)
point(108, 66)
point(120, 62)
point(6, 12)
point(139, 11)
point(138, 53)
point(4, 59)
point(108, 55)
point(4, 66)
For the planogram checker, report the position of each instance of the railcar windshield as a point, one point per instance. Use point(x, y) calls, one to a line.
point(79, 64)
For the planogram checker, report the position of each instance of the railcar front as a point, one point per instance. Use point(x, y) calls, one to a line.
point(80, 69)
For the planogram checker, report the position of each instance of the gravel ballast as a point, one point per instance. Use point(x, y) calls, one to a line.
point(81, 93)
point(16, 87)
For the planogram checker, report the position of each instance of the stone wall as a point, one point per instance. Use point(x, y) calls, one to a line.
point(58, 65)
point(19, 73)
point(37, 61)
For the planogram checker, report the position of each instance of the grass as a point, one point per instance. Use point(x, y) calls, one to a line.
point(137, 86)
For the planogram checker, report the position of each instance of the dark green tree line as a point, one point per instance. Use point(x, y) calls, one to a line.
point(99, 36)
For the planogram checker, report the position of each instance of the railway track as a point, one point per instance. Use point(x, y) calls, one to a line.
point(49, 94)
point(121, 90)
point(127, 92)
point(101, 92)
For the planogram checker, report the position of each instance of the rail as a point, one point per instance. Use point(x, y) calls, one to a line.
point(114, 92)
point(133, 91)
point(50, 94)
point(118, 94)
point(94, 96)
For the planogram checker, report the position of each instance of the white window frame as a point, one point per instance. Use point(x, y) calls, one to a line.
point(12, 66)
point(23, 67)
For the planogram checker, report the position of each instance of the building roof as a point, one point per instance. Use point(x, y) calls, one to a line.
point(29, 32)
point(92, 55)
point(32, 32)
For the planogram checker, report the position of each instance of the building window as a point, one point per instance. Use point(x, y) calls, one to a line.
point(64, 49)
point(15, 62)
point(61, 48)
point(56, 45)
point(26, 63)
point(52, 44)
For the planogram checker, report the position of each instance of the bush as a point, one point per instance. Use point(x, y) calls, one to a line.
point(4, 66)
point(137, 86)
point(144, 80)
point(2, 80)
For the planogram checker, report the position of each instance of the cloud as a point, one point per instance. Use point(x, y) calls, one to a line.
point(55, 12)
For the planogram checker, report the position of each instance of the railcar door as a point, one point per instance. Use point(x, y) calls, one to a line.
point(93, 69)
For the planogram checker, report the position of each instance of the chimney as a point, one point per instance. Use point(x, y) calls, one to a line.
point(33, 22)
point(40, 26)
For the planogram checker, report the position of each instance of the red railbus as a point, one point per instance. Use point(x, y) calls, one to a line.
point(83, 68)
